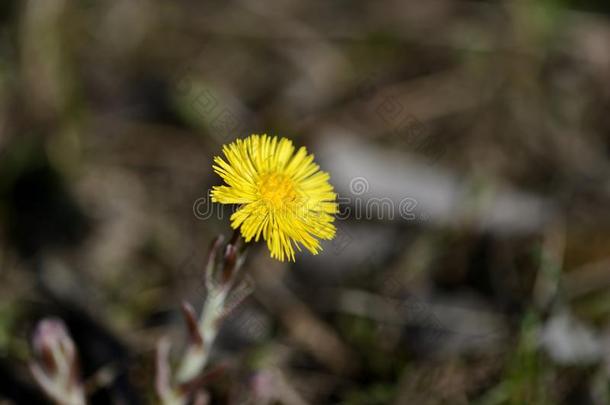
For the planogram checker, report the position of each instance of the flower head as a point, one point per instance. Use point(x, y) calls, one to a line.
point(284, 196)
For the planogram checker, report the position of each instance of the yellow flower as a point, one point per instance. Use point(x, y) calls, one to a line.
point(283, 195)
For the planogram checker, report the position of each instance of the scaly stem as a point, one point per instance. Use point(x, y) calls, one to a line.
point(220, 277)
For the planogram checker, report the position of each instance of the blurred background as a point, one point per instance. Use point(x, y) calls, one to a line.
point(469, 142)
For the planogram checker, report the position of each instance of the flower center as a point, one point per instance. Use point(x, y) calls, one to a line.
point(277, 190)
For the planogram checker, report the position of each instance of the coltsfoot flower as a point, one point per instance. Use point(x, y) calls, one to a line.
point(283, 195)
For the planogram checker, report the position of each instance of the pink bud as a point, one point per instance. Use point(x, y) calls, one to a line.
point(55, 368)
point(53, 345)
